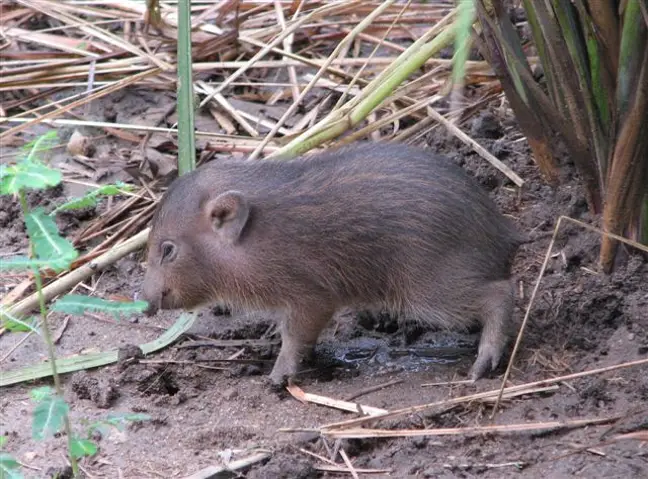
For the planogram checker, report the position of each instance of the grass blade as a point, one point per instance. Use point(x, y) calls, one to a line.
point(626, 188)
point(519, 91)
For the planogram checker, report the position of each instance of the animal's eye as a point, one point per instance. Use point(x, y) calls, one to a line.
point(168, 251)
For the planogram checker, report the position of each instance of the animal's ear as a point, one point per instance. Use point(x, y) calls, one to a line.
point(228, 214)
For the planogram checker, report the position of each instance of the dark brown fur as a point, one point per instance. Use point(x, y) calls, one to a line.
point(366, 226)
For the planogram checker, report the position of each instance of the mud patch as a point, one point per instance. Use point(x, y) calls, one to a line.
point(98, 390)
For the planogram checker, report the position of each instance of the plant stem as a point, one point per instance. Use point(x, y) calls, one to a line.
point(186, 108)
point(47, 336)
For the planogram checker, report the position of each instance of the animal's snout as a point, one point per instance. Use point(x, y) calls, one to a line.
point(153, 295)
point(152, 309)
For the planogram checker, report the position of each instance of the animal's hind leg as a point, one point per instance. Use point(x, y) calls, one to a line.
point(496, 313)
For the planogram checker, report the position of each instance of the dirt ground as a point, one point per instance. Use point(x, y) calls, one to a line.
point(205, 412)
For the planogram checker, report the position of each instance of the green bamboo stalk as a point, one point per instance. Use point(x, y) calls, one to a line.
point(373, 95)
point(186, 133)
point(463, 41)
point(49, 341)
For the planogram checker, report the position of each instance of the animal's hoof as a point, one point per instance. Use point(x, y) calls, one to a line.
point(487, 361)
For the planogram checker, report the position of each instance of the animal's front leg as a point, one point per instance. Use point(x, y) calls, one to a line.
point(299, 333)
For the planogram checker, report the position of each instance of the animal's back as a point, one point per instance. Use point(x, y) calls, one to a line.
point(371, 223)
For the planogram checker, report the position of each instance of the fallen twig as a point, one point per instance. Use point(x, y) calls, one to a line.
point(230, 467)
point(479, 396)
point(371, 389)
point(357, 433)
point(302, 396)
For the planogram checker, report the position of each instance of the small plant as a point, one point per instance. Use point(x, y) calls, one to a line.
point(593, 97)
point(9, 467)
point(49, 250)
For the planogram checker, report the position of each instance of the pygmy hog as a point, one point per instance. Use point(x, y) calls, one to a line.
point(369, 226)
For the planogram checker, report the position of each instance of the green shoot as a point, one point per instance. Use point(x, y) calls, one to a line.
point(49, 250)
point(91, 198)
point(82, 447)
point(18, 325)
point(118, 421)
point(30, 173)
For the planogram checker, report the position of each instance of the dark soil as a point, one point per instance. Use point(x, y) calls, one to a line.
point(205, 412)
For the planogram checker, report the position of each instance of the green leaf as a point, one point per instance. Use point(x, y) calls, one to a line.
point(31, 151)
point(49, 416)
point(79, 304)
point(29, 172)
point(24, 263)
point(82, 447)
point(3, 441)
point(117, 420)
point(18, 325)
point(32, 175)
point(41, 393)
point(9, 467)
point(48, 244)
point(91, 198)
